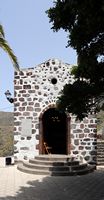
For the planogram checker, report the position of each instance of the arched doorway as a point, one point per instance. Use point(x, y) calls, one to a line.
point(54, 125)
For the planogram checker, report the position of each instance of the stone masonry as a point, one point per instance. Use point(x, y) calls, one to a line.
point(35, 91)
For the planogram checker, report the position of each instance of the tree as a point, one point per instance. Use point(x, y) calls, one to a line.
point(84, 23)
point(4, 45)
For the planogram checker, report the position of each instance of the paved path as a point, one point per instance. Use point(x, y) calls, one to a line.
point(16, 185)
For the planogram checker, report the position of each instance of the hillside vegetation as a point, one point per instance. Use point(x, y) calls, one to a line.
point(6, 133)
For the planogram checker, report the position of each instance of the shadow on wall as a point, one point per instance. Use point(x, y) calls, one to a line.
point(87, 187)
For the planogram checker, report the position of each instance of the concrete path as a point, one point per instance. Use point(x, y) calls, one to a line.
point(16, 185)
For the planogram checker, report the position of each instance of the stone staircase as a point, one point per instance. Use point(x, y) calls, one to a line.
point(100, 153)
point(55, 165)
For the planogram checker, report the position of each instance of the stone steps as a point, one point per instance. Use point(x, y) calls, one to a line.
point(100, 159)
point(88, 169)
point(100, 156)
point(54, 165)
point(54, 157)
point(100, 153)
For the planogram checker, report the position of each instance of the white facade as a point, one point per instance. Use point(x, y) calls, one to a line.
point(36, 89)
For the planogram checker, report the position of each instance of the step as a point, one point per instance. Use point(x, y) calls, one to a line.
point(46, 167)
point(100, 146)
point(100, 163)
point(100, 159)
point(53, 163)
point(23, 168)
point(54, 157)
point(100, 142)
point(100, 156)
point(100, 150)
point(54, 168)
point(100, 167)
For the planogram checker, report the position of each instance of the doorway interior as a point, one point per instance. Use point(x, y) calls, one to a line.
point(54, 124)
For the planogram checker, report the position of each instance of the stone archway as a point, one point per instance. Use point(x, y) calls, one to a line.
point(54, 129)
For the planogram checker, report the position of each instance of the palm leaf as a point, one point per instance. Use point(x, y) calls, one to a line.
point(5, 46)
point(2, 34)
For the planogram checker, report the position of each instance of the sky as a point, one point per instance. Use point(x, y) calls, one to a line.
point(29, 34)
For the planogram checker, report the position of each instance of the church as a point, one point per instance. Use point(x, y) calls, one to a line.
point(39, 128)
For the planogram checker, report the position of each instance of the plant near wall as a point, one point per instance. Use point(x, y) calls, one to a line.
point(83, 21)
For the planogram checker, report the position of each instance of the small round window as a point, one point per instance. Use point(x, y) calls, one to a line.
point(53, 81)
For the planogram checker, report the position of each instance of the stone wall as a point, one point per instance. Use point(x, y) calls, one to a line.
point(35, 90)
point(83, 138)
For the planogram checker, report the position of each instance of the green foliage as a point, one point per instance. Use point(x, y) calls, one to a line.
point(81, 91)
point(5, 46)
point(74, 70)
point(84, 23)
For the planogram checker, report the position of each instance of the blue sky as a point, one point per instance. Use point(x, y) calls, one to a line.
point(28, 32)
